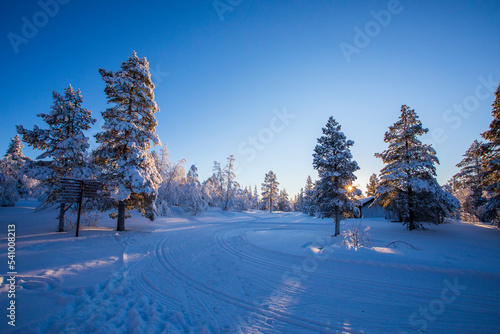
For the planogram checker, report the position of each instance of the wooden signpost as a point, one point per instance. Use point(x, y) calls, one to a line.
point(74, 190)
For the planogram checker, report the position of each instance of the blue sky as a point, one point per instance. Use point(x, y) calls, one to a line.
point(222, 76)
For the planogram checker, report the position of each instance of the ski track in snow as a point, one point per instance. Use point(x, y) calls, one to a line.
point(213, 278)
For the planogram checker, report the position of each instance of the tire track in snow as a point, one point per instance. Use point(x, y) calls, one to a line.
point(377, 289)
point(206, 289)
point(115, 305)
point(149, 276)
point(353, 281)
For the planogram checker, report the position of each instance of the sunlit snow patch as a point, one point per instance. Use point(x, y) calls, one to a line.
point(386, 250)
point(316, 250)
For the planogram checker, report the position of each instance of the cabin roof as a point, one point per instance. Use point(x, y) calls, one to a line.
point(367, 200)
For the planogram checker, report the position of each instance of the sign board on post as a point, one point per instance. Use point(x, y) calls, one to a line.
point(74, 190)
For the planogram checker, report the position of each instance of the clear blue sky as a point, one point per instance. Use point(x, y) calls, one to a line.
point(227, 78)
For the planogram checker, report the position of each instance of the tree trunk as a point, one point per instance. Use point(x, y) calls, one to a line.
point(411, 216)
point(228, 188)
point(270, 204)
point(337, 222)
point(62, 211)
point(120, 226)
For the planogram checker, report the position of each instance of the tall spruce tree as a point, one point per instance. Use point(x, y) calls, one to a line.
point(270, 191)
point(64, 145)
point(129, 170)
point(333, 160)
point(408, 178)
point(371, 187)
point(491, 163)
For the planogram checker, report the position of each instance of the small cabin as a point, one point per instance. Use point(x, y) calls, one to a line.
point(367, 210)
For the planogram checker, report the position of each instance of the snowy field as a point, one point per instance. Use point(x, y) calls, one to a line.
point(253, 272)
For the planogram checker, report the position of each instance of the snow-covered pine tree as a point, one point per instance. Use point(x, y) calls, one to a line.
point(408, 185)
point(435, 204)
point(284, 202)
point(491, 164)
point(13, 185)
point(371, 187)
point(468, 180)
point(309, 198)
point(192, 197)
point(256, 200)
point(10, 166)
point(309, 184)
point(298, 202)
point(242, 199)
point(249, 195)
point(470, 174)
point(248, 198)
point(335, 165)
point(229, 182)
point(129, 173)
point(63, 143)
point(270, 191)
point(214, 187)
point(15, 149)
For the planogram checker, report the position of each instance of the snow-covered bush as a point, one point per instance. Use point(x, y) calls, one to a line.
point(8, 191)
point(242, 200)
point(173, 180)
point(192, 197)
point(162, 209)
point(356, 235)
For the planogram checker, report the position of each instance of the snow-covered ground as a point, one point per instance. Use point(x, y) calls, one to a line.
point(253, 272)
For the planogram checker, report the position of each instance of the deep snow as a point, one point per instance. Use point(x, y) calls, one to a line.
point(249, 272)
